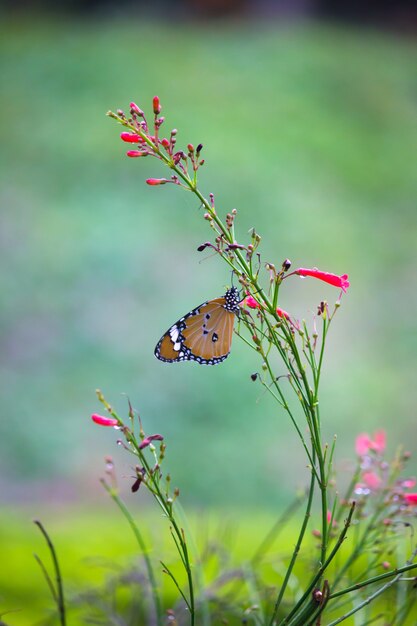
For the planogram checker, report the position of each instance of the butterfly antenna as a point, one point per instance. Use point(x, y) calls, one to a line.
point(206, 258)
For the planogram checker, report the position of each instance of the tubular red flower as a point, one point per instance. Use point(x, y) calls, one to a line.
point(149, 439)
point(136, 153)
point(411, 498)
point(156, 105)
point(156, 181)
point(104, 421)
point(131, 137)
point(282, 313)
point(251, 303)
point(327, 277)
point(135, 109)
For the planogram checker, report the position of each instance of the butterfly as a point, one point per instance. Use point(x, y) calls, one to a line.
point(204, 334)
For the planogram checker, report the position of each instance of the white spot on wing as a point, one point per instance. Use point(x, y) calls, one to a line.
point(173, 333)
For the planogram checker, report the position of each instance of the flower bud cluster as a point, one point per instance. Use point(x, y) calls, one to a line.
point(149, 143)
point(147, 473)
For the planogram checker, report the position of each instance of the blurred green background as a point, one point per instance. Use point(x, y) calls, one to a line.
point(310, 131)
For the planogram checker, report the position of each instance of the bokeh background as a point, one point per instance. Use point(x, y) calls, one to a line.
point(308, 118)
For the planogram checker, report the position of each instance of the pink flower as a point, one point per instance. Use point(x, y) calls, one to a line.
point(104, 421)
point(329, 519)
point(364, 443)
point(327, 277)
point(411, 498)
point(282, 313)
point(380, 441)
point(156, 181)
point(145, 443)
point(251, 303)
point(372, 480)
point(408, 483)
point(131, 137)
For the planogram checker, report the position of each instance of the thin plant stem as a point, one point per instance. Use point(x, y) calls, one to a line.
point(287, 620)
point(296, 550)
point(58, 593)
point(374, 579)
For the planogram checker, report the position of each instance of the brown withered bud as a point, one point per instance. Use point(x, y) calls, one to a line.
point(203, 246)
point(320, 308)
point(286, 265)
point(254, 376)
point(318, 596)
point(199, 148)
point(202, 162)
point(229, 220)
point(140, 473)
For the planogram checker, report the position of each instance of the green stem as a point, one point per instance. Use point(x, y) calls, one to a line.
point(59, 594)
point(374, 579)
point(296, 550)
point(288, 621)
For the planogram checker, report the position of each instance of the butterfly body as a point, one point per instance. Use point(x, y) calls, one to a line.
point(204, 334)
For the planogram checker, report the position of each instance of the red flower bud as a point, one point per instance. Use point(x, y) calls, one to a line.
point(135, 109)
point(190, 147)
point(156, 181)
point(136, 153)
point(327, 277)
point(165, 143)
point(130, 137)
point(104, 421)
point(282, 313)
point(156, 106)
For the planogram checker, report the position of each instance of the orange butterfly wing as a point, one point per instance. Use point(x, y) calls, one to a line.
point(203, 335)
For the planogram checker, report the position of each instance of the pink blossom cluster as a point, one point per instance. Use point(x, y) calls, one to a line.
point(374, 475)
